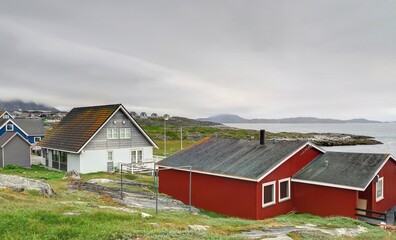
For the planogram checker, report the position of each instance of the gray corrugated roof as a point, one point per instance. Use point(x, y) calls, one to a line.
point(5, 137)
point(33, 127)
point(233, 157)
point(348, 169)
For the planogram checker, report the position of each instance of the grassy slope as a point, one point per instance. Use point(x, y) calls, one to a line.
point(28, 215)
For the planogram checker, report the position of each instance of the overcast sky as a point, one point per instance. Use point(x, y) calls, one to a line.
point(257, 59)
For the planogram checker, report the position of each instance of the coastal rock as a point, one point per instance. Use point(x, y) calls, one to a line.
point(20, 184)
point(145, 215)
point(73, 174)
point(197, 228)
point(100, 181)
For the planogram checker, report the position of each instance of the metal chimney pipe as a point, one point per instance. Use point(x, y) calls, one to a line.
point(262, 137)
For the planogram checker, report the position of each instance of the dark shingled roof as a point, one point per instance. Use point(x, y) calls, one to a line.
point(355, 170)
point(77, 127)
point(33, 127)
point(233, 157)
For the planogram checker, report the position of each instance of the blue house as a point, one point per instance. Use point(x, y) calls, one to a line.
point(30, 129)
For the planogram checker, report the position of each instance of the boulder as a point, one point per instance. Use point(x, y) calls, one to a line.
point(21, 183)
point(73, 174)
point(100, 181)
point(198, 228)
point(145, 215)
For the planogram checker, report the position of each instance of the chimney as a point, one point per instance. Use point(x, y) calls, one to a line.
point(262, 137)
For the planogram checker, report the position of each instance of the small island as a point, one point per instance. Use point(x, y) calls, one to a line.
point(191, 131)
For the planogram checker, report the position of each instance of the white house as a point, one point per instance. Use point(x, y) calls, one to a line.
point(97, 138)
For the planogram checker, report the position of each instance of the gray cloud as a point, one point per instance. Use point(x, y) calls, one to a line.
point(198, 58)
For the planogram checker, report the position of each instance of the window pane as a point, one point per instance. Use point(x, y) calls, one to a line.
point(109, 156)
point(379, 188)
point(133, 156)
point(122, 133)
point(109, 133)
point(128, 133)
point(140, 156)
point(115, 133)
point(268, 194)
point(284, 189)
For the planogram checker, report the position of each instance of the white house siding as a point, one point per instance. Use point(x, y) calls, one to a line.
point(73, 162)
point(96, 160)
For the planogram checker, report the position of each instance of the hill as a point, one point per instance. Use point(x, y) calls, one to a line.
point(230, 118)
point(19, 105)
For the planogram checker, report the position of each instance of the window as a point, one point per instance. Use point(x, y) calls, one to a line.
point(10, 127)
point(63, 157)
point(110, 156)
point(136, 156)
point(284, 189)
point(268, 194)
point(379, 186)
point(6, 116)
point(37, 139)
point(55, 156)
point(112, 133)
point(125, 133)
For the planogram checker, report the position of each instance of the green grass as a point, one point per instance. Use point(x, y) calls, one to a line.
point(29, 215)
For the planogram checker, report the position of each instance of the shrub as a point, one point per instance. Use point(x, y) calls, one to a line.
point(12, 166)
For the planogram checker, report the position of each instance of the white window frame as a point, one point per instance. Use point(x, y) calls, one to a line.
point(288, 190)
point(125, 133)
point(381, 179)
point(35, 139)
point(12, 127)
point(5, 116)
point(273, 183)
point(136, 152)
point(113, 132)
point(108, 156)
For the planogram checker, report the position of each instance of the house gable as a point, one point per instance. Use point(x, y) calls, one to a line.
point(15, 128)
point(118, 121)
point(5, 115)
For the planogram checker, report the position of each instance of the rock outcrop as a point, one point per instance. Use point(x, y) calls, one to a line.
point(21, 183)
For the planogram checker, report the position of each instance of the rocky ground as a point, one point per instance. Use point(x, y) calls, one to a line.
point(20, 184)
point(132, 198)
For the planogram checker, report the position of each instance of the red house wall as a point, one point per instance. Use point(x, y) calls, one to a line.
point(324, 201)
point(286, 170)
point(388, 171)
point(226, 196)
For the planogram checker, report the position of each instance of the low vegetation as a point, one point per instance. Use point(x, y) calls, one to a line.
point(74, 214)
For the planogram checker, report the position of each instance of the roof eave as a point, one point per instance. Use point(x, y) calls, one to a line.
point(327, 184)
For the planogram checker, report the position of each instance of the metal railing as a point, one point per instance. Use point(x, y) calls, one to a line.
point(379, 216)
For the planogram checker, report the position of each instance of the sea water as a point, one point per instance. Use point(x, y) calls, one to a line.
point(383, 132)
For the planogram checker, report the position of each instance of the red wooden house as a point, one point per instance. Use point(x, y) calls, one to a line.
point(257, 180)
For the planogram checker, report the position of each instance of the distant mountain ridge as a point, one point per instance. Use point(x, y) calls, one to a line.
point(231, 118)
point(19, 105)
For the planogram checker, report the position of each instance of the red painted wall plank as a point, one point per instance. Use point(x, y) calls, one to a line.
point(218, 194)
point(324, 201)
point(389, 174)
